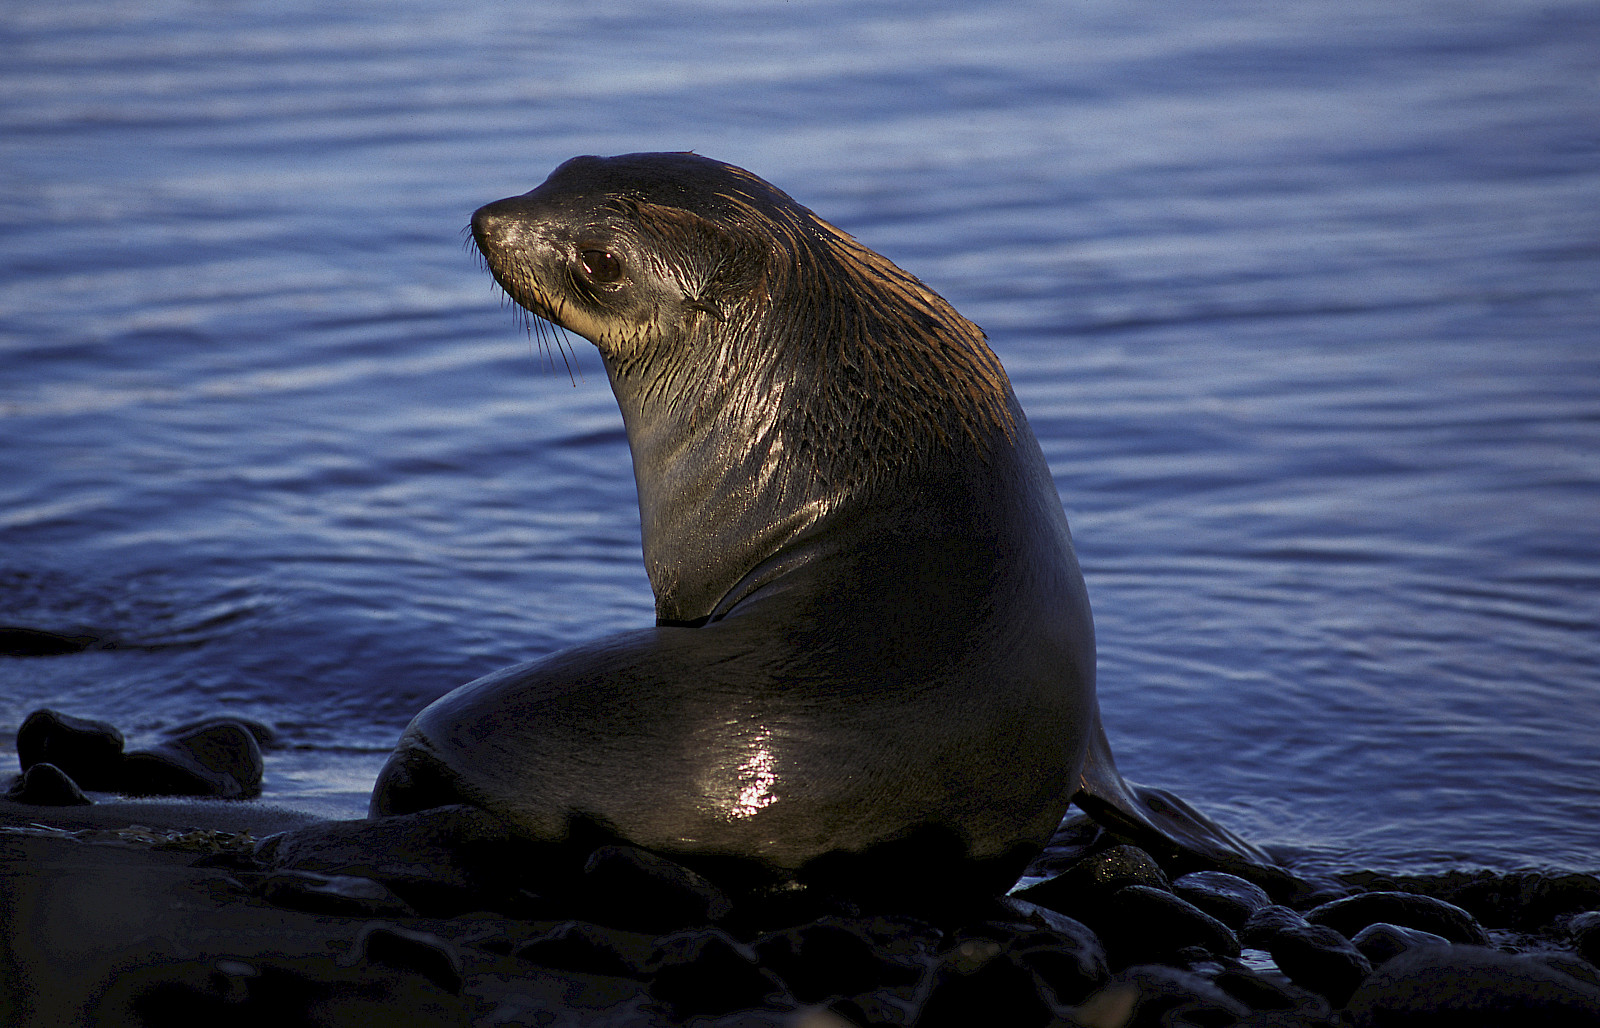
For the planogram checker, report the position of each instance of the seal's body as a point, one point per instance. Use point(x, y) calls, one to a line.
point(871, 623)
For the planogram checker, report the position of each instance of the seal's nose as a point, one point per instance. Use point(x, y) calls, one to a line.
point(514, 225)
point(488, 225)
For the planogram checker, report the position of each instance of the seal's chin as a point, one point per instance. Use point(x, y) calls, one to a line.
point(538, 316)
point(522, 288)
point(547, 306)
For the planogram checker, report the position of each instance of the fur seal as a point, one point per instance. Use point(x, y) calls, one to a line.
point(871, 624)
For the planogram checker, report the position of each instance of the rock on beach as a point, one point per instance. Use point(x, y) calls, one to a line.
point(235, 911)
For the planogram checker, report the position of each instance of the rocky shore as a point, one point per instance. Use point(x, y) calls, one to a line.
point(165, 911)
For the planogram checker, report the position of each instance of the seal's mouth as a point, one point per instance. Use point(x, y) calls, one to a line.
point(540, 318)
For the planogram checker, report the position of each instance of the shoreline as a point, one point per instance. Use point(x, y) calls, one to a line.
point(109, 924)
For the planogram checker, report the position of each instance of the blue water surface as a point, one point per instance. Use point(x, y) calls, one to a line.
point(1303, 303)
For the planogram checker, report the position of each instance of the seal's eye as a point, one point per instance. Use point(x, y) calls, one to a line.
point(600, 266)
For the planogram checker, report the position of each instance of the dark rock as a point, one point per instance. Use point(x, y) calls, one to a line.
point(589, 949)
point(1065, 954)
point(1255, 989)
point(46, 785)
point(220, 759)
point(443, 860)
point(1287, 1019)
point(707, 972)
point(1148, 923)
point(1258, 992)
point(865, 1010)
point(423, 953)
point(1567, 964)
point(830, 958)
point(1071, 968)
point(1267, 923)
point(628, 887)
point(1314, 957)
point(1472, 987)
point(263, 993)
point(90, 752)
point(1524, 900)
point(345, 895)
point(230, 980)
point(1167, 996)
point(928, 871)
point(1557, 895)
point(266, 737)
point(1083, 891)
point(1425, 913)
point(1383, 942)
point(1033, 915)
point(1584, 930)
point(1228, 898)
point(1075, 838)
point(16, 641)
point(979, 981)
point(232, 992)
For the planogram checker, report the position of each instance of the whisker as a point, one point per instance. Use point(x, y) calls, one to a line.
point(547, 336)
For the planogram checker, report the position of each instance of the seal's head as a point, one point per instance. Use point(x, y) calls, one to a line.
point(630, 252)
point(769, 368)
point(680, 266)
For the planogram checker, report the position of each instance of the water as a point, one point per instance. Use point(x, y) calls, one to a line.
point(1302, 303)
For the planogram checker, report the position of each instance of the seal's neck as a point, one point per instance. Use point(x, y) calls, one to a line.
point(839, 382)
point(719, 495)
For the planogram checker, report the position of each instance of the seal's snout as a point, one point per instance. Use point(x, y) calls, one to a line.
point(481, 220)
point(505, 226)
point(489, 227)
point(501, 232)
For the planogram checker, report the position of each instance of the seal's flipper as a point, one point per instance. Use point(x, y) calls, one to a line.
point(1166, 826)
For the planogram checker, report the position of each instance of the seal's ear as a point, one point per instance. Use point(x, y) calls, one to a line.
point(705, 305)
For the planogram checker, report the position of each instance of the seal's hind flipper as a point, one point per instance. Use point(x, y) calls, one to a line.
point(1167, 827)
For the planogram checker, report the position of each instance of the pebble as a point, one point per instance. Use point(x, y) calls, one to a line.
point(345, 895)
point(1258, 992)
point(980, 981)
point(219, 759)
point(1527, 901)
point(230, 992)
point(1584, 930)
point(1168, 995)
point(1467, 986)
point(1228, 898)
point(1286, 1019)
point(266, 737)
point(89, 752)
point(1382, 942)
point(446, 860)
point(590, 949)
point(46, 785)
point(1314, 957)
point(1084, 889)
point(628, 887)
point(1066, 956)
point(1424, 913)
point(1078, 836)
point(424, 953)
point(1146, 923)
point(16, 641)
point(830, 958)
point(707, 972)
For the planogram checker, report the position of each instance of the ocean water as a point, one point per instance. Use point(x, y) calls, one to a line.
point(1302, 301)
